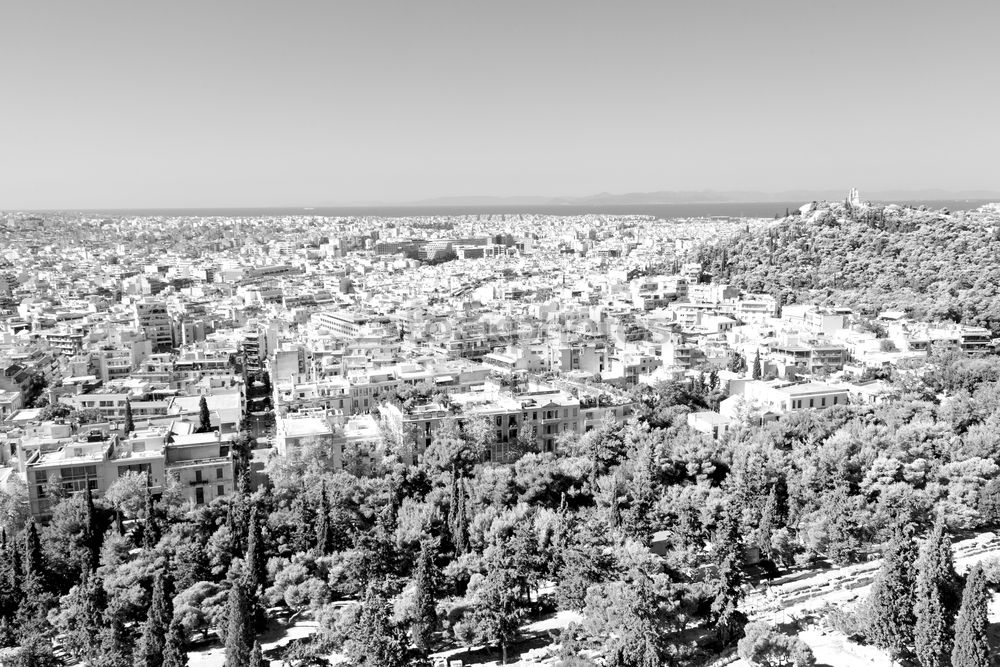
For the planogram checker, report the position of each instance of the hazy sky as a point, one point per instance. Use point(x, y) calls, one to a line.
point(247, 103)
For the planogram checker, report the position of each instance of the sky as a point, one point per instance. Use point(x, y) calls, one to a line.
point(108, 104)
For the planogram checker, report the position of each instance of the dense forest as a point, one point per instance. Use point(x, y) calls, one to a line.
point(931, 264)
point(643, 528)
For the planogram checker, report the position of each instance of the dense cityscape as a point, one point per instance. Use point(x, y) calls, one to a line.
point(531, 439)
point(381, 333)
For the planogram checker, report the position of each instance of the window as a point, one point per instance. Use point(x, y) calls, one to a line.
point(810, 402)
point(199, 496)
point(197, 475)
point(218, 473)
point(220, 490)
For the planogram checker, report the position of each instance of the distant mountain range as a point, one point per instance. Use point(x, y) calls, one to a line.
point(706, 197)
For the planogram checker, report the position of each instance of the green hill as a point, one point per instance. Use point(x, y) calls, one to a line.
point(931, 264)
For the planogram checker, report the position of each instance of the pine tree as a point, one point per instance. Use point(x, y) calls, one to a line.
point(971, 647)
point(149, 650)
point(129, 423)
point(891, 602)
point(496, 613)
point(756, 366)
point(425, 621)
point(239, 634)
point(174, 654)
point(204, 416)
point(934, 592)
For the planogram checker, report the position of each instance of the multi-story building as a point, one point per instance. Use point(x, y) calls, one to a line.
point(93, 457)
point(539, 415)
point(66, 342)
point(151, 316)
point(349, 325)
point(784, 397)
point(202, 463)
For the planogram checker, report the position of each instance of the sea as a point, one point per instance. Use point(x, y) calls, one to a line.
point(660, 211)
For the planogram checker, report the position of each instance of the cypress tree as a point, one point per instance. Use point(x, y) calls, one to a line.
point(31, 563)
point(116, 642)
point(756, 366)
point(149, 650)
point(425, 622)
point(615, 509)
point(31, 613)
point(324, 531)
point(150, 529)
point(971, 647)
point(638, 519)
point(768, 523)
point(91, 531)
point(891, 602)
point(239, 634)
point(256, 655)
point(238, 515)
point(10, 580)
point(174, 654)
point(377, 641)
point(728, 589)
point(129, 423)
point(256, 565)
point(458, 518)
point(88, 604)
point(204, 416)
point(304, 535)
point(934, 594)
point(255, 571)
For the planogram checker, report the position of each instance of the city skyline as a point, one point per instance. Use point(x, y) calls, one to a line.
point(113, 105)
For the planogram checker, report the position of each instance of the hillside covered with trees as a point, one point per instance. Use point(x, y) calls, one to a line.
point(641, 528)
point(932, 264)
